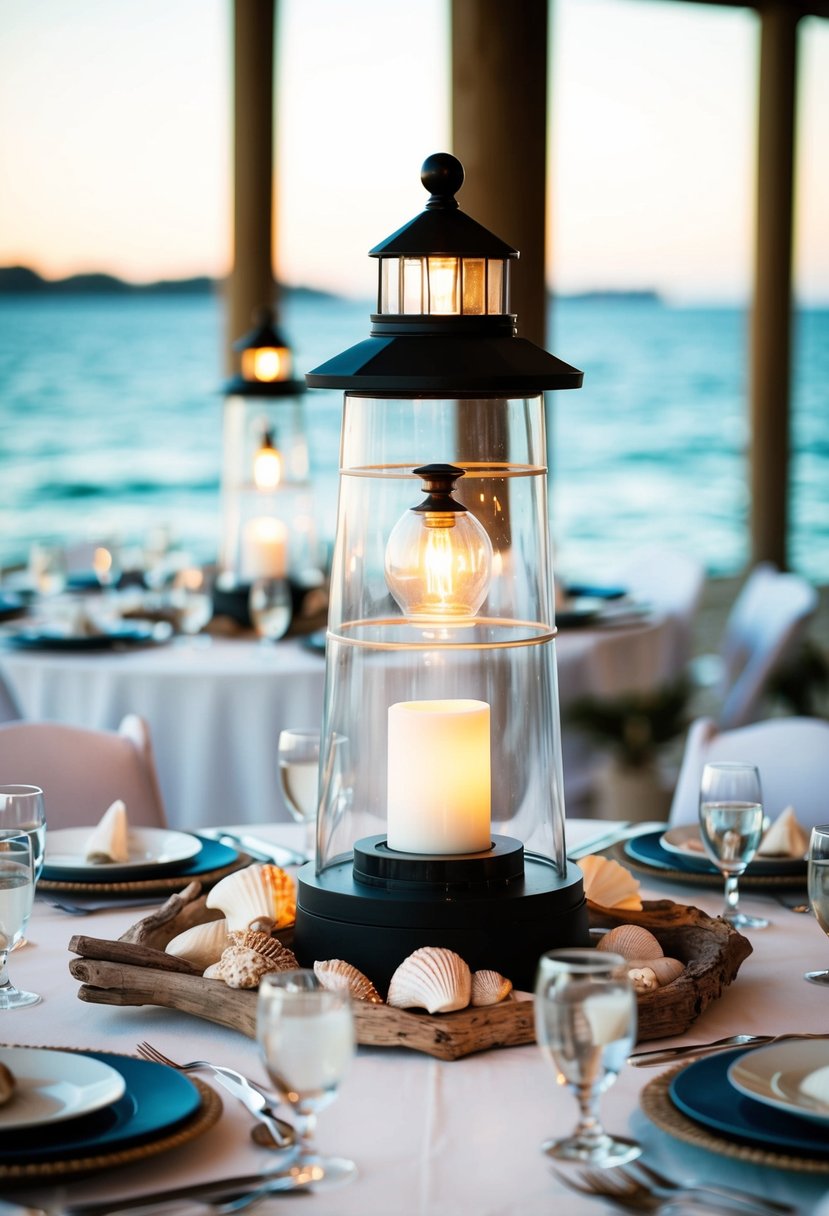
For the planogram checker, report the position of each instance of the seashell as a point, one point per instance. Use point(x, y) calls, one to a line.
point(340, 976)
point(255, 895)
point(432, 978)
point(665, 969)
point(489, 988)
point(270, 947)
point(643, 979)
point(632, 942)
point(240, 967)
point(609, 884)
point(200, 945)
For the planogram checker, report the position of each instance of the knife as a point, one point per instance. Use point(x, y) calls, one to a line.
point(220, 1191)
point(259, 850)
point(257, 1103)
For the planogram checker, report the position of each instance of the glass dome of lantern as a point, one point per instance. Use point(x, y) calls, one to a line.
point(441, 813)
point(268, 523)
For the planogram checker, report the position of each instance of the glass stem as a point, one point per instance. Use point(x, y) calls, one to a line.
point(732, 894)
point(589, 1130)
point(305, 1124)
point(5, 982)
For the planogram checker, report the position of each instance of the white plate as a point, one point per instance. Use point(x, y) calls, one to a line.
point(51, 1086)
point(773, 1075)
point(687, 842)
point(148, 847)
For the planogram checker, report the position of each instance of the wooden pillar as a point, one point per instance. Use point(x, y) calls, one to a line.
point(251, 279)
point(499, 132)
point(771, 322)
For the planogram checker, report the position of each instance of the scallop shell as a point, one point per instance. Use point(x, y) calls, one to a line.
point(609, 884)
point(200, 945)
point(633, 942)
point(665, 969)
point(255, 895)
point(240, 967)
point(340, 976)
point(270, 947)
point(489, 988)
point(432, 978)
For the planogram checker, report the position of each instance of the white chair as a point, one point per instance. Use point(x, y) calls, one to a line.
point(792, 755)
point(672, 582)
point(768, 619)
point(9, 709)
point(82, 771)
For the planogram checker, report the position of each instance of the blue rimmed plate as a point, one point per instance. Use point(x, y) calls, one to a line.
point(210, 856)
point(648, 852)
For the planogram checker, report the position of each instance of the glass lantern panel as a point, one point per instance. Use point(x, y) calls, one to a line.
point(503, 655)
point(498, 287)
point(390, 276)
point(412, 291)
point(443, 290)
point(474, 286)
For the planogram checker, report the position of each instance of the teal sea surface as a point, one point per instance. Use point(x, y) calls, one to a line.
point(111, 415)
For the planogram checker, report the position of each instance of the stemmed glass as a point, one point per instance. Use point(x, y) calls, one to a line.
point(306, 1036)
point(270, 608)
point(17, 890)
point(585, 1025)
point(22, 810)
point(817, 871)
point(731, 826)
point(298, 751)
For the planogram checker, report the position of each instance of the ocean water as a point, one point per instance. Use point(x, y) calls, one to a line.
point(111, 408)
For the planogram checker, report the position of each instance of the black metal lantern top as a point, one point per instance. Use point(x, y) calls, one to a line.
point(443, 325)
point(267, 361)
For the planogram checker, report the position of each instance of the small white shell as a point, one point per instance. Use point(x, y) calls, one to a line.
point(489, 988)
point(432, 978)
point(340, 976)
point(201, 945)
point(632, 942)
point(609, 884)
point(643, 979)
point(256, 894)
point(240, 967)
point(665, 969)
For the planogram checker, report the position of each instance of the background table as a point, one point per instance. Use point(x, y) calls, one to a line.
point(430, 1138)
point(215, 707)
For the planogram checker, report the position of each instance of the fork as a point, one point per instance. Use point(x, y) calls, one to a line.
point(622, 1191)
point(666, 1187)
point(149, 1052)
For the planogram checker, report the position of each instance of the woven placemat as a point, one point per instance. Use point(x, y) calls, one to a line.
point(144, 886)
point(75, 1167)
point(748, 882)
point(655, 1100)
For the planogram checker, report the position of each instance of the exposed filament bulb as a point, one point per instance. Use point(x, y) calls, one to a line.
point(267, 464)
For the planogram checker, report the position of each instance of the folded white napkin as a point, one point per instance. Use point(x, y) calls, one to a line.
point(108, 842)
point(816, 1084)
point(785, 838)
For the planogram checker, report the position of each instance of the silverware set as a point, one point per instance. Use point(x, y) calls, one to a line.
point(666, 1055)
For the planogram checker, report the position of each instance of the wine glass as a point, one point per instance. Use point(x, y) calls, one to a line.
point(817, 871)
point(298, 751)
point(585, 1025)
point(731, 826)
point(22, 810)
point(306, 1036)
point(17, 890)
point(269, 605)
point(192, 599)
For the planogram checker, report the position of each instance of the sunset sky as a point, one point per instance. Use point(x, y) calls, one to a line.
point(115, 139)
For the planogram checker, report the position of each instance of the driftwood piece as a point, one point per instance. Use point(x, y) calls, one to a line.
point(181, 911)
point(125, 973)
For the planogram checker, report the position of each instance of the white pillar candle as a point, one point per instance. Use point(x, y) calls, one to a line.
point(439, 777)
point(264, 548)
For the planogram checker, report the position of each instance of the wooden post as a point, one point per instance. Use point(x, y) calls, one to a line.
point(499, 132)
point(251, 280)
point(771, 322)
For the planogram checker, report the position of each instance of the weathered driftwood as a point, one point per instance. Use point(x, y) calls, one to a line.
point(126, 973)
point(181, 911)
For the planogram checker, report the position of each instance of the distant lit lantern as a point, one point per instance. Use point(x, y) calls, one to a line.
point(268, 525)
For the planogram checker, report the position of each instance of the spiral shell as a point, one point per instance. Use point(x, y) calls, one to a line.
point(240, 967)
point(270, 947)
point(257, 895)
point(340, 976)
point(609, 884)
point(432, 978)
point(489, 988)
point(665, 969)
point(643, 979)
point(200, 945)
point(632, 942)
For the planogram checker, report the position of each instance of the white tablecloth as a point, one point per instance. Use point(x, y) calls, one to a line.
point(430, 1138)
point(215, 707)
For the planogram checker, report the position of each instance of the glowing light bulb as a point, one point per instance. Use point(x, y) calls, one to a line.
point(438, 556)
point(267, 464)
point(443, 285)
point(266, 363)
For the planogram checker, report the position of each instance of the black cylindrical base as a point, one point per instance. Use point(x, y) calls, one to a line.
point(505, 930)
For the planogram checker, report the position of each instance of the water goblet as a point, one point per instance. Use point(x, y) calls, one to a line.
point(306, 1036)
point(22, 810)
point(298, 751)
point(192, 599)
point(731, 826)
point(17, 890)
point(817, 879)
point(585, 1025)
point(270, 608)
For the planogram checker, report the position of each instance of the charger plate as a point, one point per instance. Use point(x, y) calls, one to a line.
point(658, 1104)
point(213, 861)
point(155, 1114)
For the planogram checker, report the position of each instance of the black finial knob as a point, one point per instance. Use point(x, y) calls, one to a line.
point(442, 175)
